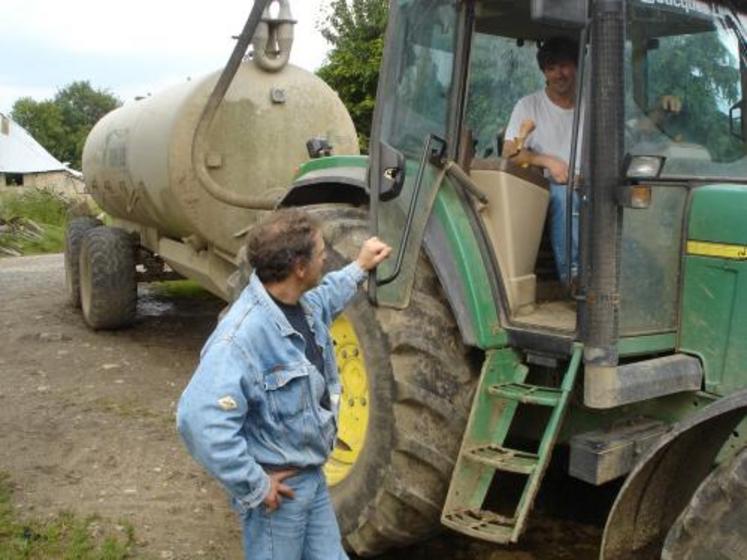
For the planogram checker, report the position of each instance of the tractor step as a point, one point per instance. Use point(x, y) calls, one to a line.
point(504, 459)
point(484, 457)
point(527, 394)
point(480, 524)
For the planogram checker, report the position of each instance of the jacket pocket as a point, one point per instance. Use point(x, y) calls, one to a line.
point(287, 390)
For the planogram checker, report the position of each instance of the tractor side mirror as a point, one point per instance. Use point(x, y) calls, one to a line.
point(565, 13)
point(392, 172)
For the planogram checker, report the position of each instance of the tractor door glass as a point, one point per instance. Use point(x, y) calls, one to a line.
point(685, 63)
point(502, 71)
point(419, 73)
point(413, 105)
point(650, 263)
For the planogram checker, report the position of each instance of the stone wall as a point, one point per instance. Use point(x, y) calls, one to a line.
point(60, 182)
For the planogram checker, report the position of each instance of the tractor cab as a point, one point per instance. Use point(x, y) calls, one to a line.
point(454, 71)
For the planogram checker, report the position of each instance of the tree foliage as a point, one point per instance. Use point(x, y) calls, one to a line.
point(61, 124)
point(355, 29)
point(700, 70)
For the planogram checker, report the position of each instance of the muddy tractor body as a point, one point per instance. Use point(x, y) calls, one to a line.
point(467, 363)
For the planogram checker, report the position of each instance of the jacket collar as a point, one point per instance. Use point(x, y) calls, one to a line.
point(257, 293)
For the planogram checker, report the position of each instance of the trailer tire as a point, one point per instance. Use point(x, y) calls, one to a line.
point(74, 233)
point(420, 384)
point(714, 523)
point(108, 287)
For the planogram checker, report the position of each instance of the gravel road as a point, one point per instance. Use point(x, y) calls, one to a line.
point(88, 425)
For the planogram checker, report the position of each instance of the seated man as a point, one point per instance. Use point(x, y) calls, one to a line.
point(539, 133)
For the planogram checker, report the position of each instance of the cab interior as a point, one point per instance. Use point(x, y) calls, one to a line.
point(516, 215)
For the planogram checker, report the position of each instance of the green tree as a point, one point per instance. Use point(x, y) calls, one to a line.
point(355, 29)
point(43, 120)
point(62, 124)
point(701, 70)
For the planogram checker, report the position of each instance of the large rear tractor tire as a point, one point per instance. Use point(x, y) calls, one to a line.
point(714, 524)
point(74, 233)
point(108, 288)
point(407, 388)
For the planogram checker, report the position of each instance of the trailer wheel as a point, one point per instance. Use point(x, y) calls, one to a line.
point(407, 389)
point(714, 524)
point(108, 288)
point(74, 233)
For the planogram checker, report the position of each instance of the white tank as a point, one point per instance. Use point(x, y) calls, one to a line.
point(137, 160)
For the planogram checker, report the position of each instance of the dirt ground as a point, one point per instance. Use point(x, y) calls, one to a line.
point(88, 426)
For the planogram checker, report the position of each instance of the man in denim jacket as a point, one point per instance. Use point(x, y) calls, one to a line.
point(260, 413)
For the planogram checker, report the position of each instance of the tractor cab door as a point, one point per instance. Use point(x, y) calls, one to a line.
point(414, 112)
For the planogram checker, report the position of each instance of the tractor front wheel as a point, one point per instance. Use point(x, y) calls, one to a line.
point(714, 524)
point(407, 388)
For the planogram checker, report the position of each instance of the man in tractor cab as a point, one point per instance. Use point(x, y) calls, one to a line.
point(539, 134)
point(260, 413)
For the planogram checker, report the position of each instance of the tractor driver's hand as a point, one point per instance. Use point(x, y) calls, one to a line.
point(372, 253)
point(671, 103)
point(558, 169)
point(277, 489)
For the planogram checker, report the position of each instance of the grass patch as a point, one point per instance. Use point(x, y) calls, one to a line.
point(66, 536)
point(181, 289)
point(42, 206)
point(46, 209)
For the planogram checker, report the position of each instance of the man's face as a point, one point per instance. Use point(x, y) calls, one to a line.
point(561, 77)
point(313, 271)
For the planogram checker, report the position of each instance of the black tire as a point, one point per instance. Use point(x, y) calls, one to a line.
point(714, 524)
point(74, 233)
point(420, 388)
point(108, 287)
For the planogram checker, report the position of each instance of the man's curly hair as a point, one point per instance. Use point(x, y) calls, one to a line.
point(275, 245)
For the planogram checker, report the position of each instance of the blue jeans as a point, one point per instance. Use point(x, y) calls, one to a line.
point(557, 231)
point(302, 528)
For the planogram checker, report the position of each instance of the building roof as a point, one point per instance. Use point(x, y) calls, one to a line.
point(20, 153)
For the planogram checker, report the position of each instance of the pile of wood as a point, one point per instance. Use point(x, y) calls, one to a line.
point(17, 228)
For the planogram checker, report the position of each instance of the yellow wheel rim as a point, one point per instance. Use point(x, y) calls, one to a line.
point(354, 402)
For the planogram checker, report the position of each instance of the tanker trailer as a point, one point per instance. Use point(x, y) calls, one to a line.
point(185, 173)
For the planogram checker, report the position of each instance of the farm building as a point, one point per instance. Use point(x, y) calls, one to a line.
point(24, 163)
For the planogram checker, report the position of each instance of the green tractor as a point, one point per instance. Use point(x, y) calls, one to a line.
point(469, 364)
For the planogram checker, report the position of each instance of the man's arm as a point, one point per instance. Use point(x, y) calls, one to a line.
point(338, 288)
point(210, 418)
point(557, 168)
point(514, 150)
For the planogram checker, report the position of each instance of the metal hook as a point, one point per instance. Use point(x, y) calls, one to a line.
point(273, 38)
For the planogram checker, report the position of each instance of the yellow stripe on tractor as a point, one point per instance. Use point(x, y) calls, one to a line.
point(719, 250)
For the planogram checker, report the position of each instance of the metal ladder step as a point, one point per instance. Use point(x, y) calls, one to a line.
point(483, 458)
point(481, 524)
point(527, 394)
point(504, 459)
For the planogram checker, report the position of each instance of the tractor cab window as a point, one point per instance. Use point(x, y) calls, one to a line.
point(502, 71)
point(419, 83)
point(684, 102)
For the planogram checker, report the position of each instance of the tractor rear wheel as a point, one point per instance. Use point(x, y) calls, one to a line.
point(74, 233)
point(108, 287)
point(407, 388)
point(714, 524)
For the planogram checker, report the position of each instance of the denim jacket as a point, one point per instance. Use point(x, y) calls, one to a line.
point(254, 400)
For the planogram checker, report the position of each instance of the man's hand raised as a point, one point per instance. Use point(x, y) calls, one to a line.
point(372, 253)
point(278, 489)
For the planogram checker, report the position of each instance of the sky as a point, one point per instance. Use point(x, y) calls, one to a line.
point(129, 48)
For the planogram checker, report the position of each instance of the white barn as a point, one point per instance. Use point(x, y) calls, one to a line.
point(24, 163)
